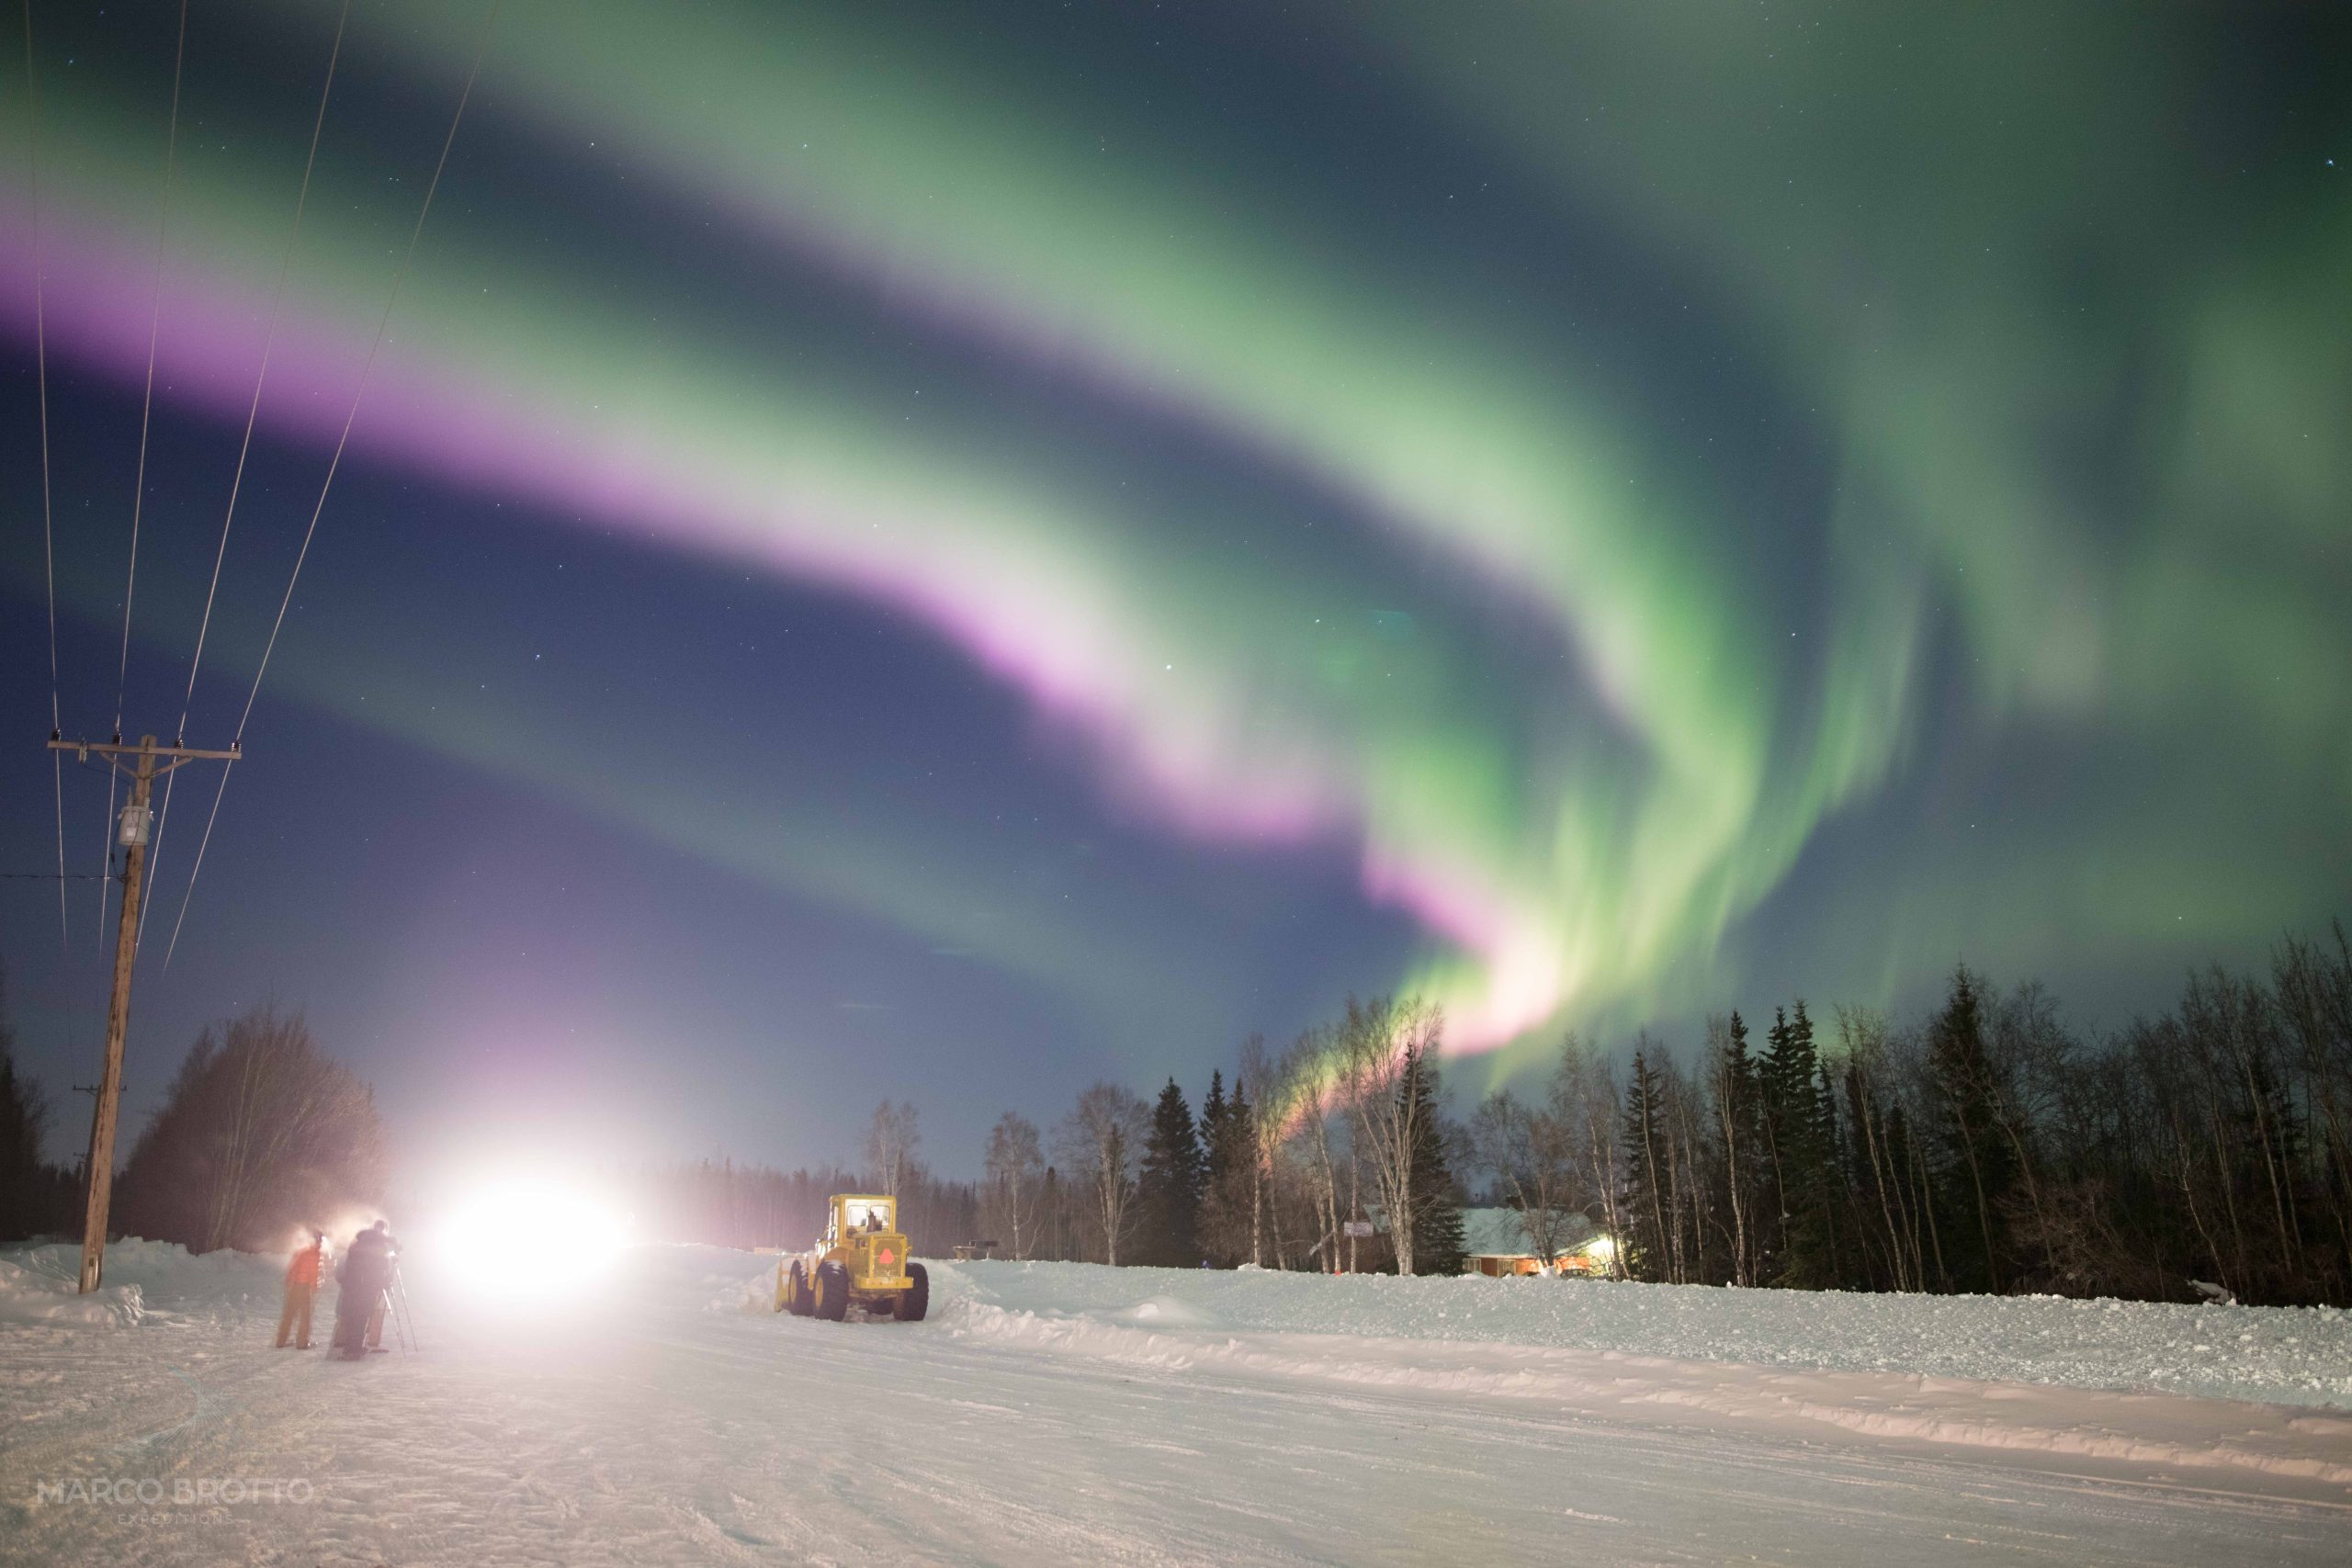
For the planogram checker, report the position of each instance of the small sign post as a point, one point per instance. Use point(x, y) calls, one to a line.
point(1355, 1231)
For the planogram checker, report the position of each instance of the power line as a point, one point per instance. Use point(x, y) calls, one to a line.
point(48, 545)
point(146, 408)
point(253, 409)
point(106, 828)
point(366, 369)
point(154, 327)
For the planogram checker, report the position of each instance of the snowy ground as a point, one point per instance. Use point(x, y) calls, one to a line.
point(1057, 1413)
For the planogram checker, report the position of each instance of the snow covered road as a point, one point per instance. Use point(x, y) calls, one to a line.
point(1137, 1423)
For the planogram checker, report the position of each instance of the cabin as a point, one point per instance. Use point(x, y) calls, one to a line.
point(1494, 1244)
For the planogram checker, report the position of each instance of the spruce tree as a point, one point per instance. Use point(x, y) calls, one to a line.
point(1974, 1169)
point(1793, 1111)
point(1835, 1193)
point(1216, 1133)
point(1641, 1249)
point(1224, 1228)
point(1229, 1194)
point(1437, 1216)
point(1169, 1187)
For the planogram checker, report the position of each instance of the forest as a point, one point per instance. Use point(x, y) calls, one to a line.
point(2202, 1152)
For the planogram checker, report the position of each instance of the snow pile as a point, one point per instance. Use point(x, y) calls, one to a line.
point(2277, 1355)
point(28, 1295)
point(733, 1294)
point(143, 1280)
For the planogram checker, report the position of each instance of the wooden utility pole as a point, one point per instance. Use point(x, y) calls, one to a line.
point(151, 763)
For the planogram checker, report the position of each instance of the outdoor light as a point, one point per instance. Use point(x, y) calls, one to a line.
point(528, 1239)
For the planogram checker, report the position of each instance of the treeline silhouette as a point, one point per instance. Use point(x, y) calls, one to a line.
point(1347, 1125)
point(36, 1197)
point(721, 1203)
point(2202, 1152)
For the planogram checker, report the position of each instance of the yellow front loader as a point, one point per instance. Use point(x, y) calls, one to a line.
point(861, 1262)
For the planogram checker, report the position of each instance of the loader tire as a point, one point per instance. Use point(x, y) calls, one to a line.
point(915, 1300)
point(796, 1294)
point(832, 1291)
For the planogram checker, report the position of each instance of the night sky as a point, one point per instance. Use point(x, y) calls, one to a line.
point(947, 550)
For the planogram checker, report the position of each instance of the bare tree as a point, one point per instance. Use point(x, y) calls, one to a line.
point(1098, 1143)
point(1383, 1044)
point(1863, 1035)
point(1682, 1119)
point(260, 1134)
point(890, 1141)
point(2314, 986)
point(1584, 1098)
point(282, 1100)
point(1015, 1168)
point(1528, 1151)
point(1314, 1073)
point(1273, 1086)
point(1731, 1094)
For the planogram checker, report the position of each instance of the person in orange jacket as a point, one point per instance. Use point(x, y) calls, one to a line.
point(303, 1272)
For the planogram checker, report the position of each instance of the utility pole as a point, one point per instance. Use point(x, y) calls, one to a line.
point(150, 761)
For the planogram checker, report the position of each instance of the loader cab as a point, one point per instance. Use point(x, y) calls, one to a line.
point(854, 1216)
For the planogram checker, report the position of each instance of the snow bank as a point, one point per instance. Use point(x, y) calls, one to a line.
point(2277, 1355)
point(28, 1295)
point(143, 1280)
point(2140, 1428)
point(1954, 1371)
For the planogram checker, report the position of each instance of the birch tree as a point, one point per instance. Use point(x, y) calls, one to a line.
point(1014, 1167)
point(1584, 1098)
point(1100, 1142)
point(1316, 1106)
point(1382, 1043)
point(1272, 1084)
point(890, 1141)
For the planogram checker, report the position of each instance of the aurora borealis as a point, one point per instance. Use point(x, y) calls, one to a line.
point(1587, 511)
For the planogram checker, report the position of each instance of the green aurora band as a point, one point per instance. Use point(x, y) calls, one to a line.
point(1455, 598)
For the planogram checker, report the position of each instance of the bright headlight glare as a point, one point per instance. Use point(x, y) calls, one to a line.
point(528, 1239)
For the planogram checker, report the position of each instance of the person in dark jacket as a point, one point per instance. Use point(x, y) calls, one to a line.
point(392, 1282)
point(361, 1279)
